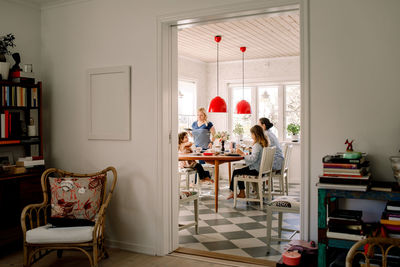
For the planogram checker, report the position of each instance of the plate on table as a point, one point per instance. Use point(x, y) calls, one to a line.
point(232, 154)
point(196, 154)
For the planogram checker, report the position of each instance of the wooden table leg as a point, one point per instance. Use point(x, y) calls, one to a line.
point(216, 182)
point(229, 170)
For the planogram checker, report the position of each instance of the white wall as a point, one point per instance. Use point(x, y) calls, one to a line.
point(24, 22)
point(354, 60)
point(109, 33)
point(194, 70)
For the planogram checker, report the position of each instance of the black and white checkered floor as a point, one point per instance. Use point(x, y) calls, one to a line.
point(238, 231)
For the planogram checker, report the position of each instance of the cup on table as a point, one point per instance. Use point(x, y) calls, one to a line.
point(197, 149)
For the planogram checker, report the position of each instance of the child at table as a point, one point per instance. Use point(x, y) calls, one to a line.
point(184, 146)
point(253, 161)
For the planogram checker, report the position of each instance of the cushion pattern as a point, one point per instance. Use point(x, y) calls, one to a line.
point(285, 202)
point(47, 234)
point(76, 198)
point(186, 194)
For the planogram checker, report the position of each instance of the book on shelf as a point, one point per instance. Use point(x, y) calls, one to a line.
point(393, 206)
point(345, 165)
point(344, 175)
point(345, 236)
point(343, 181)
point(30, 163)
point(22, 74)
point(345, 214)
point(339, 159)
point(348, 187)
point(361, 170)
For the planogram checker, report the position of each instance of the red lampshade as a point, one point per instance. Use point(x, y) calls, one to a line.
point(217, 104)
point(243, 107)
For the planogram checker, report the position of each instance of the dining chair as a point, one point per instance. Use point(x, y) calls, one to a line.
point(188, 196)
point(282, 175)
point(265, 174)
point(282, 204)
point(188, 173)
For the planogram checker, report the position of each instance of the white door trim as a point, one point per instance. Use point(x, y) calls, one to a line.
point(166, 232)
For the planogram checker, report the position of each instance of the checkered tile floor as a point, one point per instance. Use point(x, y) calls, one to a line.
point(238, 231)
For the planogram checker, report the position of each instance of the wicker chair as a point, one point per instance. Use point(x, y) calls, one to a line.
point(384, 244)
point(88, 239)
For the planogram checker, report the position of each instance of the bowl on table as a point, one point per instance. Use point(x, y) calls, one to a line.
point(208, 153)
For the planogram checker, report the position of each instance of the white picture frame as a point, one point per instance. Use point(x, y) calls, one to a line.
point(109, 103)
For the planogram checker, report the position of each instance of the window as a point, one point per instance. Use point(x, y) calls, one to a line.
point(186, 104)
point(243, 119)
point(279, 102)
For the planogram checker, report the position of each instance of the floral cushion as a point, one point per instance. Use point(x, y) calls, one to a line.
point(76, 198)
point(285, 202)
point(186, 194)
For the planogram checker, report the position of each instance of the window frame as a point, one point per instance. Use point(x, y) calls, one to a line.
point(195, 82)
point(255, 103)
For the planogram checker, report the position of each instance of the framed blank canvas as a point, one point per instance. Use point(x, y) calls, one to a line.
point(109, 108)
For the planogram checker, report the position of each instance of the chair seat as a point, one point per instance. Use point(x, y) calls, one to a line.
point(48, 235)
point(186, 170)
point(285, 202)
point(187, 194)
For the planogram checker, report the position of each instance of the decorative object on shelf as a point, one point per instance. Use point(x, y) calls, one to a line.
point(349, 145)
point(395, 161)
point(294, 129)
point(217, 104)
point(27, 67)
point(243, 107)
point(17, 59)
point(5, 42)
point(31, 127)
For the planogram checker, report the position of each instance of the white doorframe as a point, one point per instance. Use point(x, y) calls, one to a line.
point(166, 232)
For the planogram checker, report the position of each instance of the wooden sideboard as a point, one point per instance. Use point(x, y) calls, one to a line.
point(17, 191)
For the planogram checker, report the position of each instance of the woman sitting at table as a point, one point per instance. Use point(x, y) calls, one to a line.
point(184, 146)
point(252, 161)
point(278, 157)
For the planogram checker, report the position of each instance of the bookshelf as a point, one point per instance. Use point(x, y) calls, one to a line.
point(327, 199)
point(19, 102)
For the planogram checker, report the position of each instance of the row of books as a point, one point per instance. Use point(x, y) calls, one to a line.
point(10, 124)
point(346, 224)
point(345, 174)
point(17, 96)
point(391, 219)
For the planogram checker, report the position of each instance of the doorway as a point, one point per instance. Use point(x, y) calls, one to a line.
point(168, 74)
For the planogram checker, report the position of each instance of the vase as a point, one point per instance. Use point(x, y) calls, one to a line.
point(4, 69)
point(222, 146)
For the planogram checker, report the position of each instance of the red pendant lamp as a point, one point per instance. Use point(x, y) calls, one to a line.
point(243, 107)
point(217, 104)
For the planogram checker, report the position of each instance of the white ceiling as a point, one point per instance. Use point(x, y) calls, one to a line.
point(264, 37)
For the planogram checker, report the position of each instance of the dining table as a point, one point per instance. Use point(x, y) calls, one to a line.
point(215, 160)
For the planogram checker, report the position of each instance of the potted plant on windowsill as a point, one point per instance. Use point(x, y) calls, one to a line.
point(5, 42)
point(294, 129)
point(238, 131)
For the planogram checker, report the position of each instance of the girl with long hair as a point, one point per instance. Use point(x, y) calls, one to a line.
point(252, 161)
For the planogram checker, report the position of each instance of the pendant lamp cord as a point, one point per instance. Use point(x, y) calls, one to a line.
point(243, 75)
point(217, 69)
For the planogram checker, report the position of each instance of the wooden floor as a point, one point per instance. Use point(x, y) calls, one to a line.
point(118, 258)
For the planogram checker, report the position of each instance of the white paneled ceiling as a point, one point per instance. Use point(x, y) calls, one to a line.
point(264, 37)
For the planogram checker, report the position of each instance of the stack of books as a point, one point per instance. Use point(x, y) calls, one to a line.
point(345, 174)
point(29, 162)
point(391, 219)
point(345, 224)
